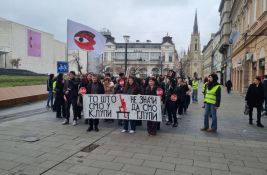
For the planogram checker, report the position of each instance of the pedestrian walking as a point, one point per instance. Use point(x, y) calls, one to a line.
point(229, 86)
point(152, 126)
point(195, 90)
point(71, 96)
point(130, 89)
point(254, 99)
point(187, 96)
point(49, 85)
point(95, 87)
point(212, 100)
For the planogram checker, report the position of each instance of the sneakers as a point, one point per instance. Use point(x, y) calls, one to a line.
point(96, 129)
point(74, 123)
point(204, 129)
point(211, 130)
point(168, 123)
point(175, 125)
point(89, 129)
point(123, 131)
point(131, 131)
point(65, 122)
point(260, 125)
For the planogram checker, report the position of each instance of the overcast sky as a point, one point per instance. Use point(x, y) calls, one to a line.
point(141, 19)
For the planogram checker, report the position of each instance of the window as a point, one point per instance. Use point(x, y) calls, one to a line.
point(144, 55)
point(195, 46)
point(106, 56)
point(155, 56)
point(263, 5)
point(119, 55)
point(170, 57)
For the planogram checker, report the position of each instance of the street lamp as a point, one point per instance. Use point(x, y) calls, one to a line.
point(126, 39)
point(160, 57)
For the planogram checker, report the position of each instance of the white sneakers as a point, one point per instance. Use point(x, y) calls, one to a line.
point(131, 131)
point(65, 122)
point(123, 131)
point(74, 123)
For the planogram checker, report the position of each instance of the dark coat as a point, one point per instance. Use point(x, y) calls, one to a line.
point(265, 87)
point(49, 84)
point(150, 91)
point(255, 95)
point(100, 89)
point(73, 88)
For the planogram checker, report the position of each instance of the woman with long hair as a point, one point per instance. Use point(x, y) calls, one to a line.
point(130, 89)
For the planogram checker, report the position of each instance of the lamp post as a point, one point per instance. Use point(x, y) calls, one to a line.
point(160, 57)
point(126, 39)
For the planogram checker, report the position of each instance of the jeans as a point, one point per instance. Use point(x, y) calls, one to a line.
point(50, 98)
point(210, 110)
point(73, 102)
point(194, 96)
point(126, 123)
point(258, 114)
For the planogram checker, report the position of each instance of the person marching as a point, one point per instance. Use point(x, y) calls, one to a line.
point(94, 87)
point(255, 99)
point(71, 96)
point(59, 93)
point(130, 89)
point(212, 100)
point(151, 89)
point(195, 90)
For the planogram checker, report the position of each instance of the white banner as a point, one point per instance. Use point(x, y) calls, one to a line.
point(119, 106)
point(82, 37)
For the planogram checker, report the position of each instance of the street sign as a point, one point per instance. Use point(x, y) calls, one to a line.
point(62, 67)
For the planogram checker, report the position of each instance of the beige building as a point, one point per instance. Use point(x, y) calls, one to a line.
point(225, 30)
point(144, 58)
point(208, 57)
point(249, 20)
point(193, 61)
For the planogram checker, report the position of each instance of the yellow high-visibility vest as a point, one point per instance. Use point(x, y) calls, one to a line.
point(195, 85)
point(210, 95)
point(204, 87)
point(54, 86)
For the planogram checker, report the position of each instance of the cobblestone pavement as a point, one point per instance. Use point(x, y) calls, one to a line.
point(237, 148)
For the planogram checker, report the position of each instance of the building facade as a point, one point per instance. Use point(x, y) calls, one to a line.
point(217, 57)
point(193, 61)
point(208, 57)
point(144, 58)
point(224, 46)
point(23, 47)
point(249, 52)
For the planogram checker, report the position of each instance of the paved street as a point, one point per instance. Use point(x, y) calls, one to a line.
point(237, 148)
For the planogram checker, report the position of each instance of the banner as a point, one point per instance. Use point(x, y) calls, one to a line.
point(120, 106)
point(34, 43)
point(82, 37)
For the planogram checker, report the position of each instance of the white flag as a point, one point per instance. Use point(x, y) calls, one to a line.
point(82, 37)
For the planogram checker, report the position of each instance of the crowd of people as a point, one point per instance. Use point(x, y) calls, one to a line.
point(176, 94)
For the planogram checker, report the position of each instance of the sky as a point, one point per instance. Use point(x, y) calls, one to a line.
point(140, 19)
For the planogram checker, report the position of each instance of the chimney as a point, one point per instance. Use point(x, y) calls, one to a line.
point(148, 41)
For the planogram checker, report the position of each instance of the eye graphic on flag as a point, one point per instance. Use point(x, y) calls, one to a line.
point(82, 37)
point(85, 40)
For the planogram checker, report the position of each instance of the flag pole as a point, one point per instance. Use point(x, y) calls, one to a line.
point(87, 60)
point(67, 56)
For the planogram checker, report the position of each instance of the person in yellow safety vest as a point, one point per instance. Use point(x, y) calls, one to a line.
point(212, 100)
point(54, 92)
point(195, 90)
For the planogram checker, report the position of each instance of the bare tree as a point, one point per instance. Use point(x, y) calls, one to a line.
point(15, 62)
